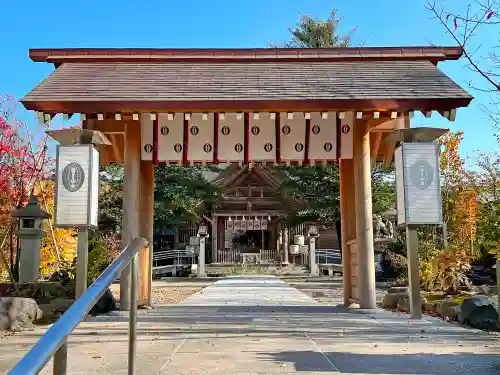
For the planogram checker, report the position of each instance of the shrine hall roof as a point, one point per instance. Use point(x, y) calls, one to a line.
point(113, 80)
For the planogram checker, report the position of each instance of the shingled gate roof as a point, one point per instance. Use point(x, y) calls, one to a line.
point(94, 80)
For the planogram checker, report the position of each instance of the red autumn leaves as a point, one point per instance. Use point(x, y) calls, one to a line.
point(20, 166)
point(490, 13)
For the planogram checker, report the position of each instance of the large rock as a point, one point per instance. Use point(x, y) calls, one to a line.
point(398, 289)
point(484, 289)
point(17, 312)
point(483, 273)
point(49, 314)
point(61, 304)
point(479, 312)
point(43, 291)
point(430, 306)
point(447, 308)
point(391, 300)
point(404, 304)
point(105, 304)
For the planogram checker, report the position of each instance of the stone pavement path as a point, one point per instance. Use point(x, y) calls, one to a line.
point(261, 325)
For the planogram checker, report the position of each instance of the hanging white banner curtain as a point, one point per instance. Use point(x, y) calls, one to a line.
point(246, 224)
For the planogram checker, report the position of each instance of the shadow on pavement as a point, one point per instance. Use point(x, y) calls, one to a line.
point(261, 325)
point(419, 363)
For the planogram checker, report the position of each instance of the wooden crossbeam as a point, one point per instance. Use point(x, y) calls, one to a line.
point(401, 123)
point(449, 115)
point(116, 149)
point(377, 138)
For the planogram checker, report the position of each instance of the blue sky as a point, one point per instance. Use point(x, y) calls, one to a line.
point(189, 23)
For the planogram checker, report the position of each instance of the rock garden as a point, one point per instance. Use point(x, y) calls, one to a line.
point(455, 287)
point(22, 305)
point(42, 302)
point(472, 308)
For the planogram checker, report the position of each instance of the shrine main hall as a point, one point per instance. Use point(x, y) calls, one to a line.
point(250, 107)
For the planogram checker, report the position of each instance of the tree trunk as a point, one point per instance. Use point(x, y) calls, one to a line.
point(445, 235)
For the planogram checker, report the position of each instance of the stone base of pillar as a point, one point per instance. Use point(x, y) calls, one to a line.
point(29, 264)
point(315, 271)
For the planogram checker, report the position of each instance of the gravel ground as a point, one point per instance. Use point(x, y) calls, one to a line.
point(168, 292)
point(327, 289)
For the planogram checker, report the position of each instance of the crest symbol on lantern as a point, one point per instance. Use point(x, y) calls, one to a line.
point(421, 174)
point(73, 177)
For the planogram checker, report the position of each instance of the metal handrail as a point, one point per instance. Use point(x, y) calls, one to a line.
point(327, 254)
point(170, 254)
point(54, 341)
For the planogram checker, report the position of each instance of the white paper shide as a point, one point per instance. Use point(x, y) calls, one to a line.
point(417, 184)
point(77, 186)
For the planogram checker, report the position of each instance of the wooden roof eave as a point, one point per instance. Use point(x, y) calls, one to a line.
point(306, 105)
point(59, 55)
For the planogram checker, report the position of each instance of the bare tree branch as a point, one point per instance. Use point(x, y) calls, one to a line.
point(439, 16)
point(478, 18)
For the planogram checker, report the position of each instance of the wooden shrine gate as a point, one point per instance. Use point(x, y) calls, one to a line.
point(247, 106)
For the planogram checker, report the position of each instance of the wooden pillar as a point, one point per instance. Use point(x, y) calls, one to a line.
point(215, 221)
point(279, 243)
point(272, 237)
point(364, 224)
point(221, 243)
point(146, 230)
point(348, 224)
point(285, 244)
point(131, 194)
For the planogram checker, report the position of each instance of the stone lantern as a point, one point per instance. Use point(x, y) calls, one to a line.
point(30, 234)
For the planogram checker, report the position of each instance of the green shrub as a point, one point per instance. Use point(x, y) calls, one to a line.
point(66, 274)
point(446, 271)
point(99, 257)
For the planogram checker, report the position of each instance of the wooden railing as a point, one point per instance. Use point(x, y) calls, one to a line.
point(234, 256)
point(270, 256)
point(174, 257)
point(228, 256)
